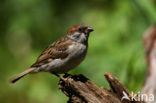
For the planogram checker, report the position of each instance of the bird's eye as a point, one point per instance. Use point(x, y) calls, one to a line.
point(81, 29)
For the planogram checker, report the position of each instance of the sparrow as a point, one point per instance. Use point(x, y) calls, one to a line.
point(62, 55)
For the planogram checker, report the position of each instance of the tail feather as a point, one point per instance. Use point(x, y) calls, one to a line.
point(19, 76)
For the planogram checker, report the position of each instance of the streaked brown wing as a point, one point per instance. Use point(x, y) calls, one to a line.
point(54, 51)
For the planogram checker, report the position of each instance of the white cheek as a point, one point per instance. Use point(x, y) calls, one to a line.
point(82, 38)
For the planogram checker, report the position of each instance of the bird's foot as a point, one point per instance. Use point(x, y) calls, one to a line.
point(64, 78)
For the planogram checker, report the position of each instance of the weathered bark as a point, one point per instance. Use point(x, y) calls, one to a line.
point(79, 89)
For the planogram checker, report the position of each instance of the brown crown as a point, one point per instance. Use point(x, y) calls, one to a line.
point(75, 28)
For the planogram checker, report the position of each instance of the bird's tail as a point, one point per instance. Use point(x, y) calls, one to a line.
point(19, 76)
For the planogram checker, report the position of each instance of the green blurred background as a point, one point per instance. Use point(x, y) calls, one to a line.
point(116, 46)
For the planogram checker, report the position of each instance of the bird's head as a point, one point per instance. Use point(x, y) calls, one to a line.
point(79, 33)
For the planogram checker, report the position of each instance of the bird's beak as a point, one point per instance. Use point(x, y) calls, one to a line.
point(88, 30)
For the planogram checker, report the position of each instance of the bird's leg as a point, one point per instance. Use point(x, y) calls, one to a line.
point(56, 74)
point(62, 78)
point(66, 74)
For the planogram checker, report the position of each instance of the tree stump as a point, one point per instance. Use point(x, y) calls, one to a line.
point(80, 89)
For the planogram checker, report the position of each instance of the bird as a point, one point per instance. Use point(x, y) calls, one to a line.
point(62, 55)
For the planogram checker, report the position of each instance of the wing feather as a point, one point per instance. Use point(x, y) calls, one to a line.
point(56, 50)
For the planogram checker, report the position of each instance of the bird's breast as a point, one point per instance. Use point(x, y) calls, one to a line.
point(76, 50)
point(77, 53)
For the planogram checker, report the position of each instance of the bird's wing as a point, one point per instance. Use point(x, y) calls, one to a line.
point(56, 50)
